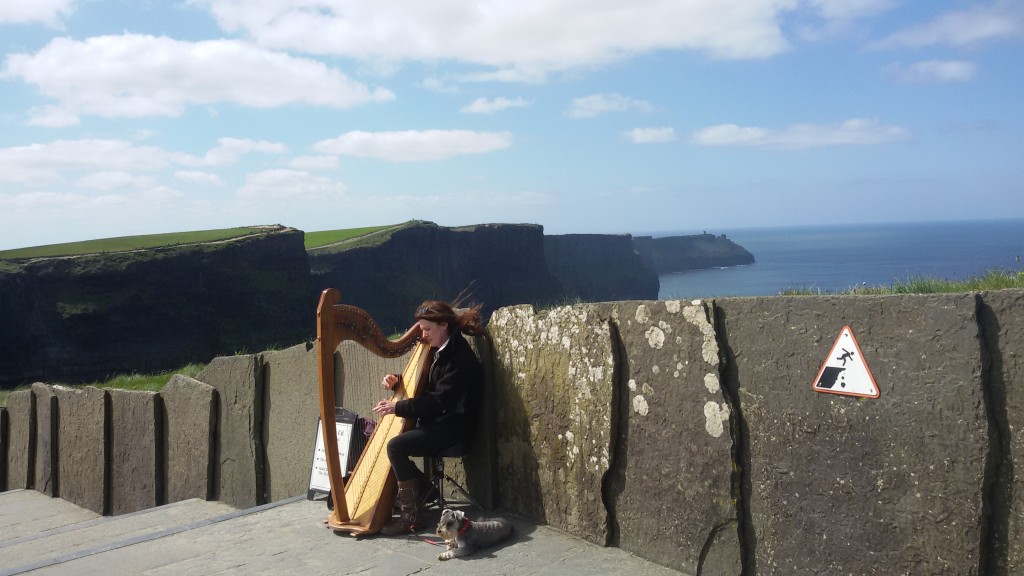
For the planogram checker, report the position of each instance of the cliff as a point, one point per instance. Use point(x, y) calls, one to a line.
point(82, 318)
point(600, 267)
point(499, 264)
point(679, 253)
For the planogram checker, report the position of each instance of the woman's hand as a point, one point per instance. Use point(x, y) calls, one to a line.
point(384, 407)
point(390, 381)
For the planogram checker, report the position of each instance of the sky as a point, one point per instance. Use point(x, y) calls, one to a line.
point(126, 117)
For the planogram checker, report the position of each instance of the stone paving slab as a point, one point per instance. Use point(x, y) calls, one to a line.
point(104, 531)
point(292, 539)
point(27, 512)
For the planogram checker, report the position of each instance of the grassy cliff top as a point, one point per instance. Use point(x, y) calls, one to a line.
point(328, 241)
point(129, 243)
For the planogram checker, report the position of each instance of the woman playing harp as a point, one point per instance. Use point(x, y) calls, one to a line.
point(444, 410)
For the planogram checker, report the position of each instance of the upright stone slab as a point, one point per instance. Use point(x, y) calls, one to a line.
point(840, 484)
point(3, 448)
point(136, 474)
point(238, 479)
point(21, 442)
point(671, 484)
point(190, 417)
point(554, 374)
point(1002, 321)
point(291, 412)
point(82, 446)
point(46, 474)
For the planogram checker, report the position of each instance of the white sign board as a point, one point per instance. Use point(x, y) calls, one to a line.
point(319, 480)
point(845, 371)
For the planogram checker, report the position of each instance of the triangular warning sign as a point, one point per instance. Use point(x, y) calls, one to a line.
point(845, 371)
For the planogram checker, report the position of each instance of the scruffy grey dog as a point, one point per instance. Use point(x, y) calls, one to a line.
point(463, 536)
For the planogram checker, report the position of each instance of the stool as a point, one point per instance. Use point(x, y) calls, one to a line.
point(439, 476)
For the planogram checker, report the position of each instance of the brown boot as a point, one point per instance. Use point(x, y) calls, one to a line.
point(409, 520)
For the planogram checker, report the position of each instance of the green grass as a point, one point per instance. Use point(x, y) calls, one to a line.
point(144, 382)
point(991, 280)
point(325, 237)
point(127, 243)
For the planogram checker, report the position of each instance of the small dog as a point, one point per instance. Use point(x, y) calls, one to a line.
point(463, 536)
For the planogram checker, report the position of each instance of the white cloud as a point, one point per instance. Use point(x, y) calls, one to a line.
point(52, 117)
point(115, 179)
point(29, 217)
point(48, 12)
point(940, 71)
point(801, 136)
point(532, 38)
point(414, 145)
point(198, 177)
point(289, 185)
point(135, 75)
point(314, 162)
point(978, 23)
point(485, 106)
point(440, 85)
point(42, 163)
point(598, 104)
point(229, 150)
point(650, 135)
point(98, 162)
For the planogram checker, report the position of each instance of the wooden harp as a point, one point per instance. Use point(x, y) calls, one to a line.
point(364, 504)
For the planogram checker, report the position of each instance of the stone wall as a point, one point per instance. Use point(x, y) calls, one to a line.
point(687, 433)
point(722, 458)
point(832, 481)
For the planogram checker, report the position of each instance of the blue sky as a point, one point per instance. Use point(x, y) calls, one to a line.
point(123, 117)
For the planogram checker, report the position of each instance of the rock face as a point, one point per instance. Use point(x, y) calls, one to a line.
point(674, 439)
point(499, 264)
point(136, 474)
point(600, 267)
point(190, 411)
point(1002, 322)
point(554, 374)
point(837, 480)
point(679, 253)
point(21, 439)
point(290, 409)
point(78, 319)
point(614, 427)
point(83, 447)
point(239, 450)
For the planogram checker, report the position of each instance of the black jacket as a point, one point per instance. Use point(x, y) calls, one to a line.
point(452, 388)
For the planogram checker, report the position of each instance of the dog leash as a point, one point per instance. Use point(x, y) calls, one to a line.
point(462, 530)
point(425, 539)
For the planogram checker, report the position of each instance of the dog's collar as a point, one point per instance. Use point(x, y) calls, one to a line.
point(464, 527)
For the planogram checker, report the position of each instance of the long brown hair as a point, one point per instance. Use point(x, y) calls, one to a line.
point(466, 320)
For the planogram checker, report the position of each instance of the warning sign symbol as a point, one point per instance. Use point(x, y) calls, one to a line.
point(845, 371)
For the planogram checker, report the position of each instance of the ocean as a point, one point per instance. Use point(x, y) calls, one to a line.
point(837, 258)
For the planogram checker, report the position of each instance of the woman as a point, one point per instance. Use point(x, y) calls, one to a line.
point(444, 410)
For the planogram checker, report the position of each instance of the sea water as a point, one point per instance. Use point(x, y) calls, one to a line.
point(837, 258)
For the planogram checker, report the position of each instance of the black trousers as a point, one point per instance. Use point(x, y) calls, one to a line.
point(424, 440)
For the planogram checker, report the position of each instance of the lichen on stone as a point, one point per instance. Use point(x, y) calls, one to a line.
point(715, 416)
point(711, 382)
point(655, 337)
point(640, 405)
point(643, 314)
